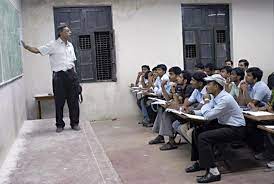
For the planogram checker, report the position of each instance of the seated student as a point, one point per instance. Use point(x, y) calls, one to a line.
point(237, 75)
point(217, 71)
point(194, 102)
point(161, 83)
point(163, 125)
point(254, 91)
point(199, 67)
point(209, 69)
point(166, 93)
point(228, 62)
point(230, 127)
point(268, 151)
point(243, 63)
point(142, 103)
point(196, 98)
point(145, 68)
point(225, 73)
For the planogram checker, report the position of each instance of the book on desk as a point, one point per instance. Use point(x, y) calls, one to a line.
point(191, 116)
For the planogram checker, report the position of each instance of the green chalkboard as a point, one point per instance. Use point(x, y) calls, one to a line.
point(10, 51)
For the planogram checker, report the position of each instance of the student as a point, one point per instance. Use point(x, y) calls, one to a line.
point(253, 91)
point(209, 69)
point(199, 67)
point(65, 80)
point(196, 98)
point(141, 74)
point(162, 78)
point(162, 82)
point(237, 75)
point(174, 72)
point(194, 102)
point(243, 63)
point(230, 127)
point(164, 125)
point(225, 73)
point(229, 63)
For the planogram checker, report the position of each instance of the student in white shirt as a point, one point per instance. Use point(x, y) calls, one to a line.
point(65, 79)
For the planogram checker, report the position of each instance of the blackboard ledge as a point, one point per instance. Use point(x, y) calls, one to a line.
point(11, 80)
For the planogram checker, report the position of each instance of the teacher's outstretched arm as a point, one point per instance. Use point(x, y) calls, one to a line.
point(29, 48)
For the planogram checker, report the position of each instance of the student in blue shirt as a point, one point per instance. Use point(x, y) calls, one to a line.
point(254, 91)
point(230, 127)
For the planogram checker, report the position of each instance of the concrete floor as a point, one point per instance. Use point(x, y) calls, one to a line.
point(41, 156)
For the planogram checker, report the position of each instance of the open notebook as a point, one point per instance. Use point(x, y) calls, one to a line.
point(187, 115)
point(258, 113)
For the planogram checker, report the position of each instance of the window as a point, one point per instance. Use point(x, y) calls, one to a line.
point(92, 38)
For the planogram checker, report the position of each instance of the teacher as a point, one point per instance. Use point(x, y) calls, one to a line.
point(64, 78)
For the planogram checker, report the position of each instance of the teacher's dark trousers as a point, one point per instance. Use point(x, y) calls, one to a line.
point(204, 138)
point(65, 88)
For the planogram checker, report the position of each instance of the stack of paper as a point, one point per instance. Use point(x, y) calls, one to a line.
point(159, 102)
point(270, 126)
point(258, 113)
point(173, 111)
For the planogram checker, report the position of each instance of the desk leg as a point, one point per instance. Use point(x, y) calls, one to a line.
point(39, 114)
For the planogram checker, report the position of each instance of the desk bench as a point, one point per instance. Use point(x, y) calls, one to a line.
point(39, 98)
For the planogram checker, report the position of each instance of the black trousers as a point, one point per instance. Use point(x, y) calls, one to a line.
point(65, 88)
point(205, 137)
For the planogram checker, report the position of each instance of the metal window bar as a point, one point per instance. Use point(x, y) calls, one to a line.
point(84, 42)
point(190, 51)
point(103, 56)
point(221, 36)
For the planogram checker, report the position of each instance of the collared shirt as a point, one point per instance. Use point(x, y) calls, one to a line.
point(197, 96)
point(61, 56)
point(235, 90)
point(157, 85)
point(224, 108)
point(259, 92)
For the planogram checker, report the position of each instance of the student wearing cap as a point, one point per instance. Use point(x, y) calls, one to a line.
point(230, 127)
point(65, 80)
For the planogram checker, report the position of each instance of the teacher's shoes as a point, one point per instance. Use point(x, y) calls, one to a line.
point(76, 127)
point(59, 129)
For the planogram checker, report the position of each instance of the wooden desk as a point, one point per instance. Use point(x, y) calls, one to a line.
point(39, 98)
point(260, 118)
point(269, 130)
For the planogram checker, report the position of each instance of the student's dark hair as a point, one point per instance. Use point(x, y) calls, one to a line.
point(256, 72)
point(146, 66)
point(228, 69)
point(199, 76)
point(210, 66)
point(228, 60)
point(154, 69)
point(200, 66)
point(219, 85)
point(246, 63)
point(162, 66)
point(60, 28)
point(239, 72)
point(176, 70)
point(187, 76)
point(146, 74)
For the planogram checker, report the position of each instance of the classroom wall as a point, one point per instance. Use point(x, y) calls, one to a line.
point(253, 33)
point(146, 32)
point(12, 108)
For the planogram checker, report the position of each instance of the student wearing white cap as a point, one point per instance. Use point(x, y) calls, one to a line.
point(230, 127)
